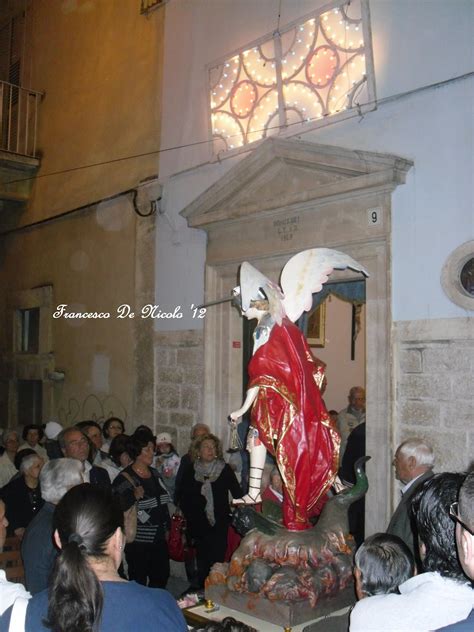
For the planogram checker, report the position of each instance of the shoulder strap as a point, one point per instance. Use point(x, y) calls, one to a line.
point(18, 615)
point(129, 478)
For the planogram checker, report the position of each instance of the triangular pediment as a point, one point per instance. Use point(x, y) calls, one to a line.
point(284, 172)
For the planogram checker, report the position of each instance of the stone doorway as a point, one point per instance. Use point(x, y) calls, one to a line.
point(289, 195)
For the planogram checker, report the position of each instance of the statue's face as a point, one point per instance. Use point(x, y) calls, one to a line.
point(253, 312)
point(257, 309)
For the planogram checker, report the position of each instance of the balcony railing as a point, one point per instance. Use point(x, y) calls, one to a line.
point(18, 119)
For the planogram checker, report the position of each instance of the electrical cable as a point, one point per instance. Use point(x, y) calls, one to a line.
point(375, 102)
point(357, 112)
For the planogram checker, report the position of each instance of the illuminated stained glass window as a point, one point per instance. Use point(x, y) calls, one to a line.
point(311, 70)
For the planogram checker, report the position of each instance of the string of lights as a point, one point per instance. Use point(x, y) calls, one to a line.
point(376, 103)
point(308, 70)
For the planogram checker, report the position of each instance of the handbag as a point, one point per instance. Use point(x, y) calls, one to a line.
point(177, 537)
point(130, 516)
point(130, 523)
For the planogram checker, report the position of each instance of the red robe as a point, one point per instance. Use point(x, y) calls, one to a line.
point(292, 420)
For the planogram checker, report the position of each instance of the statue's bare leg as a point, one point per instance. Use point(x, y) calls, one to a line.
point(258, 453)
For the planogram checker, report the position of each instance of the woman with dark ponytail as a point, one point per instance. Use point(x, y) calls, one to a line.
point(86, 593)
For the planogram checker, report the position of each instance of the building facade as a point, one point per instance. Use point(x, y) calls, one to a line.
point(399, 144)
point(82, 233)
point(263, 128)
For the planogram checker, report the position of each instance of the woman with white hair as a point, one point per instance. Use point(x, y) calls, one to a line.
point(37, 548)
point(22, 495)
point(8, 449)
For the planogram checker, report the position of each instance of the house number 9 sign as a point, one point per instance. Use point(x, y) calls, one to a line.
point(374, 216)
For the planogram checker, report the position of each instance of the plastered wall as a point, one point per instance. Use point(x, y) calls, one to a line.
point(99, 64)
point(432, 213)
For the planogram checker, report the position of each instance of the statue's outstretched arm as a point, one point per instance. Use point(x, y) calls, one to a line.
point(249, 400)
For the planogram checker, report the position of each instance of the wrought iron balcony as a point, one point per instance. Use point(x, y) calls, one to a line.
point(18, 119)
point(19, 160)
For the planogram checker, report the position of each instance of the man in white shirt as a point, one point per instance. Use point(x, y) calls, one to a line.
point(463, 513)
point(439, 596)
point(9, 591)
point(75, 445)
point(101, 459)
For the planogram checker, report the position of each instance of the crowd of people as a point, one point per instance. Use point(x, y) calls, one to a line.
point(144, 477)
point(66, 494)
point(414, 577)
point(393, 594)
point(85, 586)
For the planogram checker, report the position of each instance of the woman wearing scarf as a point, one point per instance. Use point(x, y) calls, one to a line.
point(205, 502)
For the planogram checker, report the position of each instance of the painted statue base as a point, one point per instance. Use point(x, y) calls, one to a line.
point(283, 613)
point(290, 577)
point(286, 577)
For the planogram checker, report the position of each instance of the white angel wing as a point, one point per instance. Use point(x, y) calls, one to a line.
point(304, 274)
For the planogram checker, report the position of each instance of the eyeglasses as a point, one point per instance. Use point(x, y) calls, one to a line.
point(454, 513)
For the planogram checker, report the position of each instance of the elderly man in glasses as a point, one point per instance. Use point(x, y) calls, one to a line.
point(462, 513)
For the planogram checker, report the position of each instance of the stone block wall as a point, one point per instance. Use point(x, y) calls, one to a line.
point(179, 383)
point(434, 390)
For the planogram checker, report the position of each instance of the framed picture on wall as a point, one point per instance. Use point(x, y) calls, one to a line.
point(315, 333)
